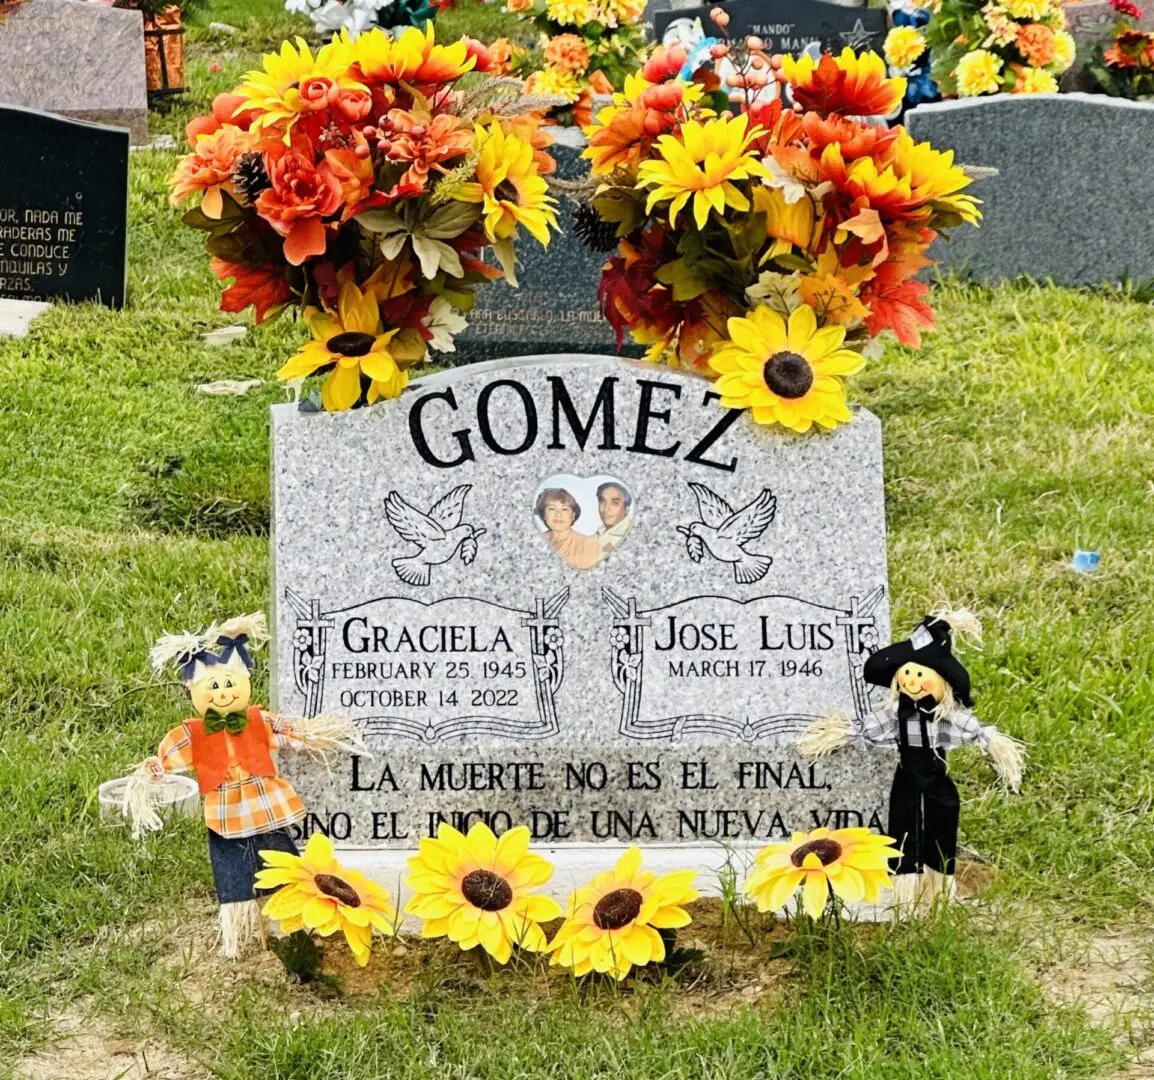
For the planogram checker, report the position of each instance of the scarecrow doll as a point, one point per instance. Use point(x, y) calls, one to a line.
point(928, 713)
point(248, 806)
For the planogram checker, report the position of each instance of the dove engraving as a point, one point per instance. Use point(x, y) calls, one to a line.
point(725, 532)
point(438, 535)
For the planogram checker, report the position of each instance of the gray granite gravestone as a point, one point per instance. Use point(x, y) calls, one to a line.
point(77, 59)
point(1046, 213)
point(573, 592)
point(555, 308)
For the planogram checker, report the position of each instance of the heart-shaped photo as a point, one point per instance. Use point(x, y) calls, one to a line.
point(583, 518)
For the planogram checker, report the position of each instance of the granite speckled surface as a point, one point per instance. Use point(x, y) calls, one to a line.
point(78, 59)
point(1046, 214)
point(652, 696)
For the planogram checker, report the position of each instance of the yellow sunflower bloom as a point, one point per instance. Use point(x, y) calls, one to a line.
point(611, 924)
point(509, 188)
point(854, 863)
point(412, 57)
point(354, 342)
point(791, 225)
point(276, 91)
point(933, 177)
point(478, 890)
point(788, 374)
point(319, 894)
point(978, 72)
point(701, 164)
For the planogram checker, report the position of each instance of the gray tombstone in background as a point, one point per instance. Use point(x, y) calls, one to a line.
point(573, 592)
point(1071, 198)
point(555, 308)
point(77, 59)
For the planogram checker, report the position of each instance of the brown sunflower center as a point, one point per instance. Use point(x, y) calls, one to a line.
point(825, 849)
point(341, 891)
point(788, 374)
point(486, 890)
point(350, 343)
point(506, 192)
point(617, 908)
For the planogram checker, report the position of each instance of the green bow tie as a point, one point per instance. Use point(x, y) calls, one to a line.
point(233, 723)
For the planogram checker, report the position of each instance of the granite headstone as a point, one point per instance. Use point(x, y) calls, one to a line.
point(555, 307)
point(1069, 201)
point(573, 592)
point(63, 208)
point(78, 59)
point(789, 26)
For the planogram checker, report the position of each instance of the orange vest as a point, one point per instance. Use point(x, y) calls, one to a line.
point(210, 752)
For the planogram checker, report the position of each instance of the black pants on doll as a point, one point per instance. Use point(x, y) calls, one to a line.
point(924, 808)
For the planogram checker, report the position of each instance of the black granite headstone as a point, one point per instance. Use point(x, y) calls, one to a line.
point(63, 208)
point(555, 307)
point(788, 26)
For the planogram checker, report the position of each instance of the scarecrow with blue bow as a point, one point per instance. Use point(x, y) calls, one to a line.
point(248, 806)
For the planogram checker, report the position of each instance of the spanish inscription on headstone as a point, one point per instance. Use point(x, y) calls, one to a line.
point(63, 209)
point(573, 592)
point(789, 26)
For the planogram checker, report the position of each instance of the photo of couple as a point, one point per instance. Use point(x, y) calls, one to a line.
point(583, 519)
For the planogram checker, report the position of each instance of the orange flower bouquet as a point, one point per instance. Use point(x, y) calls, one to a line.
point(364, 186)
point(764, 245)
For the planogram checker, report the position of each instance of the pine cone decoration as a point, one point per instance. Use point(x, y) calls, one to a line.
point(595, 233)
point(249, 176)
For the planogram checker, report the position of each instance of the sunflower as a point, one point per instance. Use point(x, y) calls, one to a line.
point(477, 890)
point(701, 163)
point(788, 374)
point(852, 862)
point(508, 186)
point(413, 57)
point(612, 923)
point(276, 92)
point(319, 894)
point(790, 225)
point(848, 84)
point(354, 342)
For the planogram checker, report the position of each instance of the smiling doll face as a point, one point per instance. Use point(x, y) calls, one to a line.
point(224, 690)
point(917, 680)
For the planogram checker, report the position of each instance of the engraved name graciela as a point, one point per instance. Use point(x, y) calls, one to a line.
point(362, 636)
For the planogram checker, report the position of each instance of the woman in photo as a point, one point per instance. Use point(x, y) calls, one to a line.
point(558, 511)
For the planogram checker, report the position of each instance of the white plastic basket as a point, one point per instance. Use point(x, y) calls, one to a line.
point(176, 796)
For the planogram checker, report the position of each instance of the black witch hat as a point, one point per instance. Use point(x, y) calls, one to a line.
point(930, 644)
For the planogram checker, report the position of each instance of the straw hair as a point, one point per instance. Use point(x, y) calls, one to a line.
point(324, 735)
point(962, 622)
point(177, 647)
point(825, 735)
point(255, 625)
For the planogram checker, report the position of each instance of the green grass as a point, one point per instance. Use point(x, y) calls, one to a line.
point(130, 505)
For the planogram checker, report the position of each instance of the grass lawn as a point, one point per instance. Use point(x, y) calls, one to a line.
point(130, 505)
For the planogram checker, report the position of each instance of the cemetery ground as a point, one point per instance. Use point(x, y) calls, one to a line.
point(129, 503)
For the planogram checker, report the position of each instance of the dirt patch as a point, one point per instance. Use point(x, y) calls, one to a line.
point(1111, 976)
point(86, 1049)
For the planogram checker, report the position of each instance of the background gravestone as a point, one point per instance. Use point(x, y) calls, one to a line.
point(555, 308)
point(788, 26)
point(77, 59)
point(1046, 214)
point(653, 697)
point(63, 209)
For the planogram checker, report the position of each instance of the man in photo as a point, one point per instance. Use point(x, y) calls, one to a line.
point(614, 502)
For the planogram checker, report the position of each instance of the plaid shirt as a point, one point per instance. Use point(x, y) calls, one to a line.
point(958, 729)
point(244, 805)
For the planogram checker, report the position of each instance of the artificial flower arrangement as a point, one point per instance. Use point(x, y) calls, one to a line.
point(1125, 67)
point(583, 47)
point(364, 185)
point(480, 890)
point(907, 53)
point(990, 46)
point(766, 245)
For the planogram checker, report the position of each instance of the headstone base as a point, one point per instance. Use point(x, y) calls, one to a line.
point(576, 864)
point(16, 316)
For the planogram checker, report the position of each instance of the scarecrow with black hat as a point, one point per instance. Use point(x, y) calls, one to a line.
point(248, 806)
point(928, 714)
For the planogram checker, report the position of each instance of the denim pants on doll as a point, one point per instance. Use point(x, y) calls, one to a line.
point(236, 861)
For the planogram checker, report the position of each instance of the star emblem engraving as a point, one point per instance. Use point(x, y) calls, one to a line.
point(858, 37)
